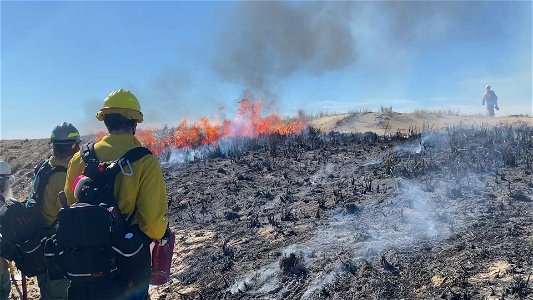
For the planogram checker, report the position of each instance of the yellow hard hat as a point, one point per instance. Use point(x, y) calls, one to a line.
point(121, 102)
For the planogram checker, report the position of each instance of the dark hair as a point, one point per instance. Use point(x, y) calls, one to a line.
point(115, 122)
point(63, 151)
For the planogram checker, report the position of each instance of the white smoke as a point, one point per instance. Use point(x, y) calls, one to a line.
point(261, 281)
point(427, 140)
point(323, 173)
point(185, 155)
point(411, 216)
point(375, 161)
point(225, 147)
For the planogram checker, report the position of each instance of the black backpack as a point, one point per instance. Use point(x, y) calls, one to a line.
point(22, 226)
point(93, 239)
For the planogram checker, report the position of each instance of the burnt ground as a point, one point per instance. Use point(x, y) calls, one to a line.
point(356, 216)
point(444, 216)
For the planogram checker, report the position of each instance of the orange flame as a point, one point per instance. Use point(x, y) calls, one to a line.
point(247, 123)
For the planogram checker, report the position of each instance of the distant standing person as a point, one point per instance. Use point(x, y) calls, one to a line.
point(491, 99)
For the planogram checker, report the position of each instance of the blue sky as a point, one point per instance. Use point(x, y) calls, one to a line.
point(189, 59)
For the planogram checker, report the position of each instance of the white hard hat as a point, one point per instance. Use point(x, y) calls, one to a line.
point(5, 169)
point(487, 87)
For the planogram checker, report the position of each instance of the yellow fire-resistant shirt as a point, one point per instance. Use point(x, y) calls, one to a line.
point(56, 183)
point(145, 189)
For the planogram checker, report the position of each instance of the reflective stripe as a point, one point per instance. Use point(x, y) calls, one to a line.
point(53, 254)
point(32, 250)
point(128, 255)
point(79, 275)
point(73, 134)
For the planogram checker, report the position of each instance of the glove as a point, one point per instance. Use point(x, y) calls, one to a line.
point(496, 107)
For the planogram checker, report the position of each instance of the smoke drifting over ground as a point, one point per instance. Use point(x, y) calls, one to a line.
point(356, 235)
point(420, 213)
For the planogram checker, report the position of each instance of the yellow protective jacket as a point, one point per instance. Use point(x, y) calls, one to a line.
point(145, 189)
point(56, 183)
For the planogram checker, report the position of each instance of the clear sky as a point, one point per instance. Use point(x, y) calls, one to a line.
point(189, 59)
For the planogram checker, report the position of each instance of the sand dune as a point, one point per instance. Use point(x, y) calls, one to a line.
point(391, 122)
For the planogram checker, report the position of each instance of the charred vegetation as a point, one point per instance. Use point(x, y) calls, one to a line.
point(341, 207)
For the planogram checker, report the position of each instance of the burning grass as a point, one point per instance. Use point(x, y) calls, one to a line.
point(248, 122)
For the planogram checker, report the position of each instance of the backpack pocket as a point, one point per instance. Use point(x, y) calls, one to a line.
point(18, 222)
point(31, 261)
point(84, 225)
point(87, 263)
point(132, 254)
point(128, 242)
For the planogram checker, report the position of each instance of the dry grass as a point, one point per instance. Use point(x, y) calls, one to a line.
point(387, 121)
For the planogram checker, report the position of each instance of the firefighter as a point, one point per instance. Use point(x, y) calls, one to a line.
point(65, 141)
point(491, 99)
point(140, 195)
point(5, 193)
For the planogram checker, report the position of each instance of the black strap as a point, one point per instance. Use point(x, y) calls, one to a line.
point(131, 156)
point(53, 169)
point(136, 153)
point(43, 173)
point(121, 164)
point(130, 217)
point(57, 169)
point(87, 152)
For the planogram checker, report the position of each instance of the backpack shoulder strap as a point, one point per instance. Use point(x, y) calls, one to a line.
point(88, 155)
point(136, 153)
point(58, 169)
point(38, 167)
point(43, 172)
point(124, 163)
point(87, 152)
